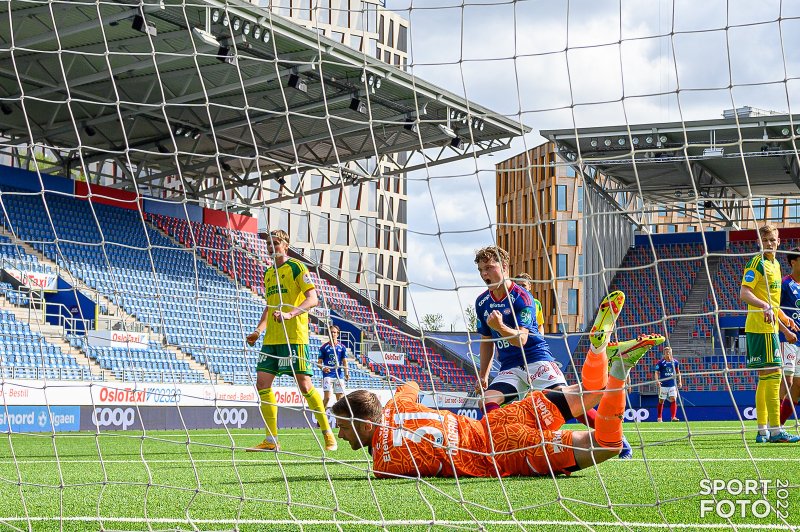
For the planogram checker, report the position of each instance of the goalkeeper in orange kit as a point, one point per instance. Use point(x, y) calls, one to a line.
point(525, 438)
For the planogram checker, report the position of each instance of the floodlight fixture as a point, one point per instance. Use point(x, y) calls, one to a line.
point(593, 143)
point(237, 24)
point(378, 82)
point(607, 143)
point(257, 32)
point(246, 28)
point(216, 15)
point(649, 139)
point(797, 130)
point(265, 37)
point(635, 141)
point(662, 139)
point(281, 181)
point(411, 125)
point(206, 37)
point(225, 20)
point(621, 141)
point(456, 142)
point(447, 131)
point(785, 131)
point(296, 82)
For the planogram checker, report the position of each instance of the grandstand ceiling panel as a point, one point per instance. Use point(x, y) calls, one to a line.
point(717, 162)
point(194, 91)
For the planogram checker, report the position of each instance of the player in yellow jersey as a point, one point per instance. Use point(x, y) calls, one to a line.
point(525, 281)
point(290, 295)
point(761, 290)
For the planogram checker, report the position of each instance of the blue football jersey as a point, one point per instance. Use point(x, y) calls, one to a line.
point(666, 372)
point(518, 310)
point(790, 301)
point(333, 357)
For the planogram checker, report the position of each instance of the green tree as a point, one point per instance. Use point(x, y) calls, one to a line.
point(432, 322)
point(471, 318)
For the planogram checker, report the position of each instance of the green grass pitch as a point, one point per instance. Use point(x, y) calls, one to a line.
point(196, 481)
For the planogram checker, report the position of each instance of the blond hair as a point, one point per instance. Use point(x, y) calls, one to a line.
point(493, 253)
point(525, 280)
point(276, 236)
point(767, 229)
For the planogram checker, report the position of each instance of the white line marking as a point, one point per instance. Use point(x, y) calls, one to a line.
point(414, 522)
point(331, 461)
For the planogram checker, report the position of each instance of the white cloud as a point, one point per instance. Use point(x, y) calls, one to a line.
point(631, 62)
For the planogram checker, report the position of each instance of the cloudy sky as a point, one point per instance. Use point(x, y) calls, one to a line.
point(558, 64)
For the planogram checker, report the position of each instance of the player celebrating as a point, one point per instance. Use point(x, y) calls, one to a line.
point(790, 305)
point(666, 372)
point(506, 321)
point(524, 438)
point(333, 363)
point(761, 290)
point(290, 294)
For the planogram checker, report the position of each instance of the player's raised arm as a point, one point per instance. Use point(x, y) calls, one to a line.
point(516, 336)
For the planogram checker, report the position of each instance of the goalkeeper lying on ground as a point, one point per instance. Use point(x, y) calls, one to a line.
point(406, 438)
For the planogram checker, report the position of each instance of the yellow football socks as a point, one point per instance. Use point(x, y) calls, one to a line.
point(314, 400)
point(269, 410)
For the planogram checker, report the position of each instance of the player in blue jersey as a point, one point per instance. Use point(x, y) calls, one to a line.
point(333, 363)
point(790, 305)
point(667, 374)
point(506, 321)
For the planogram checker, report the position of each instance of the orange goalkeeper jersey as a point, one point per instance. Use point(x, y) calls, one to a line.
point(414, 440)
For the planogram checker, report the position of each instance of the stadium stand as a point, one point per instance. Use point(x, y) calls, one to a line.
point(147, 267)
point(25, 354)
point(161, 285)
point(242, 256)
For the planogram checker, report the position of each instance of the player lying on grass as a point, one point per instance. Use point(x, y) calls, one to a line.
point(524, 438)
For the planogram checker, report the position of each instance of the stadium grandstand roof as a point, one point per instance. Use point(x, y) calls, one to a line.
point(717, 162)
point(226, 96)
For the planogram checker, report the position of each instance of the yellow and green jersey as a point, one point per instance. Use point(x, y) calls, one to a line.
point(539, 315)
point(284, 289)
point(763, 276)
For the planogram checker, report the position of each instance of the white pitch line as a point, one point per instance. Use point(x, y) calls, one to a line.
point(333, 461)
point(329, 461)
point(415, 522)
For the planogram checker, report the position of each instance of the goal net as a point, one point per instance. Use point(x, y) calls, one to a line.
point(150, 149)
